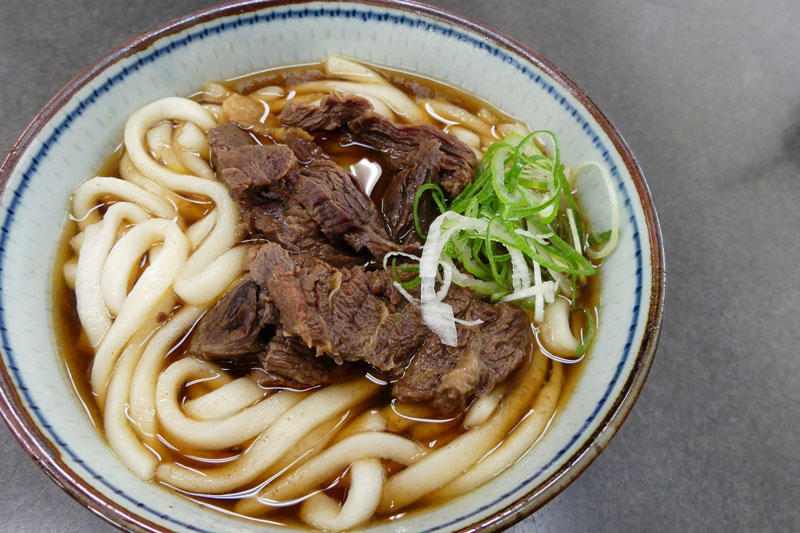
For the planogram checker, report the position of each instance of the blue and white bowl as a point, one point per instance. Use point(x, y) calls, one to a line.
point(70, 138)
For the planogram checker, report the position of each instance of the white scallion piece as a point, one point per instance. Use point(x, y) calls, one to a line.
point(614, 206)
point(436, 314)
point(576, 242)
point(547, 289)
point(541, 238)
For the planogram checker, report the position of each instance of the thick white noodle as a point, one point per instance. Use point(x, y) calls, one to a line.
point(213, 434)
point(451, 113)
point(207, 284)
point(213, 92)
point(192, 138)
point(76, 242)
point(466, 136)
point(147, 291)
point(196, 164)
point(190, 156)
point(200, 229)
point(379, 108)
point(98, 239)
point(223, 236)
point(266, 94)
point(396, 99)
point(216, 111)
point(86, 196)
point(307, 448)
point(515, 445)
point(366, 482)
point(122, 262)
point(91, 308)
point(483, 407)
point(512, 128)
point(159, 139)
point(445, 463)
point(121, 437)
point(143, 383)
point(329, 463)
point(371, 420)
point(129, 172)
point(555, 332)
point(399, 417)
point(70, 271)
point(342, 67)
point(225, 401)
point(273, 443)
point(428, 431)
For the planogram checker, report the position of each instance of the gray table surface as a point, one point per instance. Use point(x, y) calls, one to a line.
point(707, 93)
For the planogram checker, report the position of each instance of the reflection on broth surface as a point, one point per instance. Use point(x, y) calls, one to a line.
point(225, 315)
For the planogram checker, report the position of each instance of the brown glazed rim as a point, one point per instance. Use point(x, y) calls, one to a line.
point(46, 455)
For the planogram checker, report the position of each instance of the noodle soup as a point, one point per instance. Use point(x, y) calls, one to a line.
point(158, 245)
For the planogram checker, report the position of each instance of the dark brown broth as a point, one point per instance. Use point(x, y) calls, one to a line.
point(77, 354)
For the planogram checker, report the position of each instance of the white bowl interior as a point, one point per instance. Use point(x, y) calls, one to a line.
point(84, 131)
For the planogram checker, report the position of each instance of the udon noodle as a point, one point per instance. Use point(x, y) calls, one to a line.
point(157, 242)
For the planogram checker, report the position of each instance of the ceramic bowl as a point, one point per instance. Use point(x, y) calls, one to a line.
point(69, 139)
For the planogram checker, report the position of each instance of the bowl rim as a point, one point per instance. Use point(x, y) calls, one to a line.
point(46, 454)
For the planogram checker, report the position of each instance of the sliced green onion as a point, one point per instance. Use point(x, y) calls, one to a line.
point(597, 239)
point(588, 334)
point(438, 198)
point(613, 205)
point(515, 233)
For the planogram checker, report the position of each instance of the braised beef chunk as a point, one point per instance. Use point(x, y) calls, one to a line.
point(402, 143)
point(399, 142)
point(304, 148)
point(450, 377)
point(348, 314)
point(332, 113)
point(224, 138)
point(293, 228)
point(397, 208)
point(336, 201)
point(248, 169)
point(231, 329)
point(262, 180)
point(287, 362)
point(417, 154)
point(306, 309)
point(249, 172)
point(315, 208)
point(356, 315)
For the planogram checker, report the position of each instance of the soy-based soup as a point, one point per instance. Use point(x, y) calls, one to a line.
point(182, 290)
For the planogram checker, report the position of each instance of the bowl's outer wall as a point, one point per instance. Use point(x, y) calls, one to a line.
point(98, 491)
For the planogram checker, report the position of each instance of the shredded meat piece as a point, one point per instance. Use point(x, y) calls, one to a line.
point(417, 154)
point(348, 314)
point(336, 201)
point(306, 309)
point(405, 183)
point(449, 377)
point(356, 315)
point(332, 113)
point(287, 362)
point(316, 208)
point(402, 145)
point(231, 329)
